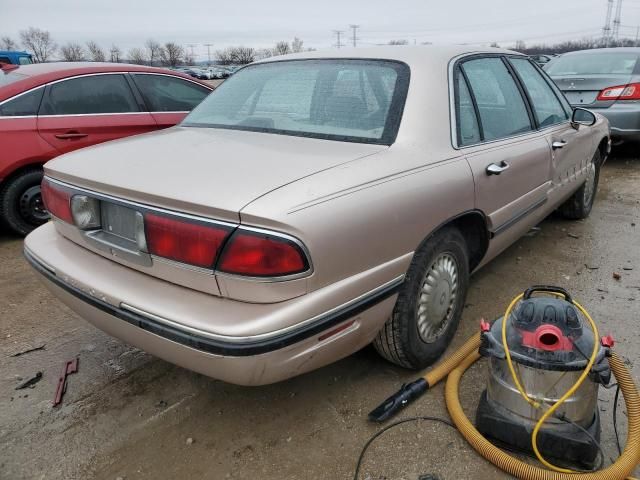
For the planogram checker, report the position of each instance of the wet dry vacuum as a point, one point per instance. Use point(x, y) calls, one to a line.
point(546, 364)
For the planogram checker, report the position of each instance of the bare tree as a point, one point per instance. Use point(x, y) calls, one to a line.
point(297, 45)
point(39, 42)
point(398, 42)
point(242, 55)
point(116, 53)
point(153, 51)
point(72, 52)
point(171, 54)
point(282, 48)
point(7, 43)
point(96, 54)
point(263, 53)
point(137, 56)
point(224, 56)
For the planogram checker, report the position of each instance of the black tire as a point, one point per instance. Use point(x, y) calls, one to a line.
point(579, 205)
point(401, 340)
point(21, 207)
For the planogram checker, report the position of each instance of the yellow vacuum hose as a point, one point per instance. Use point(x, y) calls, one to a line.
point(454, 367)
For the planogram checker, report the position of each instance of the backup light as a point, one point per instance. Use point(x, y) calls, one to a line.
point(86, 212)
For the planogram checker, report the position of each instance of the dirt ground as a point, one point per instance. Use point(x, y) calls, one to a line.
point(128, 415)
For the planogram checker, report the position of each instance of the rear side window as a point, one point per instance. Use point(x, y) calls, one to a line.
point(163, 93)
point(468, 129)
point(502, 109)
point(545, 103)
point(24, 105)
point(89, 95)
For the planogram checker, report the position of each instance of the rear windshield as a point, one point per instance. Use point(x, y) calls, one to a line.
point(348, 100)
point(593, 64)
point(9, 77)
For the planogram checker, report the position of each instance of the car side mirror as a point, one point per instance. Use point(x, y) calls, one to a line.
point(582, 116)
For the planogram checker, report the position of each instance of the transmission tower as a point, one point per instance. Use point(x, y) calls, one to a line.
point(208, 45)
point(354, 35)
point(606, 30)
point(338, 34)
point(616, 21)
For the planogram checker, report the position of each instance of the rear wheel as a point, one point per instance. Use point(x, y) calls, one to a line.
point(21, 205)
point(579, 205)
point(429, 304)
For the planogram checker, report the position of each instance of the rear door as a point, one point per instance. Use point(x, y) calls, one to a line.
point(510, 160)
point(169, 98)
point(571, 145)
point(90, 109)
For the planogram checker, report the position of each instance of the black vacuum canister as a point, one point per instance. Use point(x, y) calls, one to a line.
point(550, 347)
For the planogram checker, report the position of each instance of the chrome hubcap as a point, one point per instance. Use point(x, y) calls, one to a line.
point(438, 294)
point(590, 184)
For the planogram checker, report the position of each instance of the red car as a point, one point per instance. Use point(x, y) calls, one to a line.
point(52, 108)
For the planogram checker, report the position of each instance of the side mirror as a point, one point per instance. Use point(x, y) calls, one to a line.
point(582, 116)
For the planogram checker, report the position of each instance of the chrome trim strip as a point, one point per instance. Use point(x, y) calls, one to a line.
point(120, 201)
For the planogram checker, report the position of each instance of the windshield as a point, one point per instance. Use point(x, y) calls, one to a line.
point(24, 60)
point(593, 64)
point(348, 100)
point(9, 77)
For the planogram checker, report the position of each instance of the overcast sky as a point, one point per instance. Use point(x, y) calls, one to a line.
point(261, 23)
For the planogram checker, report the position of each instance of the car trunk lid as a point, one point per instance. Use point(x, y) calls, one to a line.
point(201, 171)
point(582, 90)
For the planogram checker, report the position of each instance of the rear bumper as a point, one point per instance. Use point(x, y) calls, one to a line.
point(248, 360)
point(624, 120)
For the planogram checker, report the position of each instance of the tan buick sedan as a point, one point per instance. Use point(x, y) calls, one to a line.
point(313, 204)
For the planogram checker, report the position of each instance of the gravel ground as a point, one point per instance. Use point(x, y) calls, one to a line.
point(129, 415)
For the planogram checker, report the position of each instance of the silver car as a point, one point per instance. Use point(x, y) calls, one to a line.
point(606, 80)
point(316, 203)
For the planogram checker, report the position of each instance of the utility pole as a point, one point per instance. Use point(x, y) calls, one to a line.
point(638, 36)
point(208, 45)
point(616, 21)
point(193, 55)
point(338, 33)
point(606, 30)
point(354, 37)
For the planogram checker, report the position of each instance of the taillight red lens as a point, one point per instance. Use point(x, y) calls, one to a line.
point(184, 241)
point(57, 200)
point(261, 255)
point(621, 92)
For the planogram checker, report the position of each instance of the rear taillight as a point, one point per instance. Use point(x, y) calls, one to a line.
point(262, 255)
point(184, 241)
point(621, 92)
point(57, 200)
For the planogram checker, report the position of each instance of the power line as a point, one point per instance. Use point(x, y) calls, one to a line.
point(338, 33)
point(354, 37)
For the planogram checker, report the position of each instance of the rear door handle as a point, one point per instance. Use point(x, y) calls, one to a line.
point(558, 144)
point(70, 135)
point(497, 169)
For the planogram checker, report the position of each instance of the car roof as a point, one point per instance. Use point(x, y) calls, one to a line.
point(599, 51)
point(409, 54)
point(40, 73)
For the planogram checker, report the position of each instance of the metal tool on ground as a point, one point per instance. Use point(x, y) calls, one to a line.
point(70, 366)
point(545, 367)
